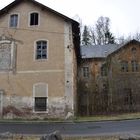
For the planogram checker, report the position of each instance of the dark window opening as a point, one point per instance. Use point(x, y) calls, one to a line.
point(133, 50)
point(124, 66)
point(34, 17)
point(40, 103)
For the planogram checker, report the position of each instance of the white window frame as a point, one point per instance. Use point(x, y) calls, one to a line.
point(35, 96)
point(9, 22)
point(1, 102)
point(29, 15)
point(36, 52)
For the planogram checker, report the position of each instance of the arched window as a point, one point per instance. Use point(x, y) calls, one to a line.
point(40, 95)
point(41, 49)
point(133, 50)
point(34, 18)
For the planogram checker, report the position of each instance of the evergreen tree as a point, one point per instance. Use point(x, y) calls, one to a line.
point(86, 36)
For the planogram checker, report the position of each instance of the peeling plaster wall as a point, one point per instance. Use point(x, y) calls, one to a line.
point(121, 83)
point(56, 71)
point(22, 107)
point(69, 81)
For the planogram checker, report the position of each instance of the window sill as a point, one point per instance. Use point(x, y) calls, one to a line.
point(13, 27)
point(33, 26)
point(40, 112)
point(41, 60)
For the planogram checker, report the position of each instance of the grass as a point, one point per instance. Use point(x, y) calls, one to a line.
point(125, 116)
point(93, 138)
point(115, 117)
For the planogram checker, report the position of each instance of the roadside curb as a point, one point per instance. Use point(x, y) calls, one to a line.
point(65, 121)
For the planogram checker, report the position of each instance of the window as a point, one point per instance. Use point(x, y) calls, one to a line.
point(34, 19)
point(40, 103)
point(40, 95)
point(86, 72)
point(13, 20)
point(133, 50)
point(134, 66)
point(6, 56)
point(41, 49)
point(104, 70)
point(124, 66)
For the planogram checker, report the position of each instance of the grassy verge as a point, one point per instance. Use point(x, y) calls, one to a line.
point(125, 116)
point(93, 138)
point(116, 117)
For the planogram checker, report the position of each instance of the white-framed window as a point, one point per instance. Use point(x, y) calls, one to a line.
point(41, 50)
point(34, 19)
point(40, 97)
point(13, 22)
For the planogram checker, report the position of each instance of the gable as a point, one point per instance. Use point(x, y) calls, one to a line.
point(6, 9)
point(55, 23)
point(126, 47)
point(128, 52)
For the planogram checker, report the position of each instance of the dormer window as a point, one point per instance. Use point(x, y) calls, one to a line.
point(34, 19)
point(13, 20)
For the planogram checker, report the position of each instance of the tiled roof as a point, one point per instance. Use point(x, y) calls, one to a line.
point(98, 51)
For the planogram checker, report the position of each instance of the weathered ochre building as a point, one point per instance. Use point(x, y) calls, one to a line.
point(38, 48)
point(109, 78)
point(124, 78)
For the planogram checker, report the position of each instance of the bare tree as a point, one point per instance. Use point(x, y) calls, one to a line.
point(100, 33)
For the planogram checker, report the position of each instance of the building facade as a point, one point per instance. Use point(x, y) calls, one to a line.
point(38, 48)
point(108, 78)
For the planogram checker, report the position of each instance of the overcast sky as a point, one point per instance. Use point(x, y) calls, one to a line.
point(124, 14)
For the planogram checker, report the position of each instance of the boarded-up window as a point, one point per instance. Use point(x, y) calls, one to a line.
point(40, 97)
point(5, 56)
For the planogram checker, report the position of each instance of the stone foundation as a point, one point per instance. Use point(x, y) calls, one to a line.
point(23, 108)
